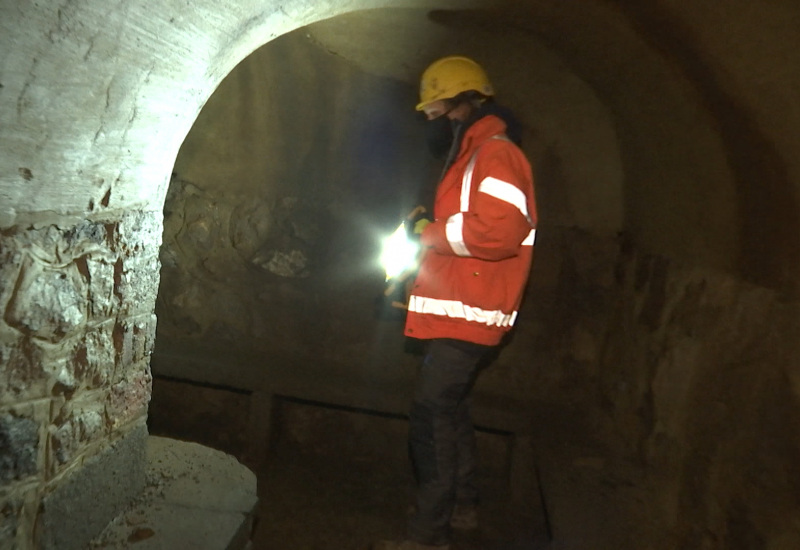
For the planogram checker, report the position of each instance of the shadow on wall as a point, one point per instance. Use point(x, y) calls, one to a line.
point(272, 228)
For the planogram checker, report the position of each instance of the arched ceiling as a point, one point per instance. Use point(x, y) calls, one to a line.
point(97, 98)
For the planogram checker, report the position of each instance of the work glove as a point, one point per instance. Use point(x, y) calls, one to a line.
point(421, 224)
point(416, 221)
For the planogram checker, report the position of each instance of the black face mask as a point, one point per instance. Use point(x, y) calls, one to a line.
point(439, 136)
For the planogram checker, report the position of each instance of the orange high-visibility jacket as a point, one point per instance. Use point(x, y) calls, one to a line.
point(480, 246)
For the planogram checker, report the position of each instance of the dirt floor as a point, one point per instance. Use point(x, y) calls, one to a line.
point(318, 502)
point(340, 479)
point(331, 478)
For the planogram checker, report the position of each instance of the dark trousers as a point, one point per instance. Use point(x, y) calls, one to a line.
point(442, 438)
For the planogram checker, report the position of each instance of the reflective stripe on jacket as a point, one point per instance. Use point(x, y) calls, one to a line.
point(472, 276)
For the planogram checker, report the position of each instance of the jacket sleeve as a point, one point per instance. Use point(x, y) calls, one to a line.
point(501, 213)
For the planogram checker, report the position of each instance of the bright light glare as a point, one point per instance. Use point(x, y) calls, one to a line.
point(399, 253)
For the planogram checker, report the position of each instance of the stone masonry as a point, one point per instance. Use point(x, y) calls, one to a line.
point(75, 342)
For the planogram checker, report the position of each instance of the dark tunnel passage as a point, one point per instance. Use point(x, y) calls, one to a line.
point(270, 346)
point(190, 222)
point(307, 154)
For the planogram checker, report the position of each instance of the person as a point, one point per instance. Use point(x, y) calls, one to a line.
point(466, 296)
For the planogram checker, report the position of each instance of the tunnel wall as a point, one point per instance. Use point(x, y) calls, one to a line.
point(76, 337)
point(700, 383)
point(96, 99)
point(653, 325)
point(703, 103)
point(684, 331)
point(296, 168)
point(685, 375)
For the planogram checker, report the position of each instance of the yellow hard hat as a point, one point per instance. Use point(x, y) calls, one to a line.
point(448, 77)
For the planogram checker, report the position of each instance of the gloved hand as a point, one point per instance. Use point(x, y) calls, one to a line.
point(417, 220)
point(420, 225)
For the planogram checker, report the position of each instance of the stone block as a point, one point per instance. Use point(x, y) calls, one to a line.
point(85, 237)
point(48, 303)
point(196, 497)
point(18, 510)
point(135, 340)
point(97, 355)
point(80, 506)
point(59, 245)
point(251, 223)
point(10, 511)
point(139, 231)
point(22, 376)
point(144, 337)
point(136, 283)
point(61, 371)
point(10, 264)
point(78, 423)
point(17, 515)
point(129, 397)
point(102, 301)
point(85, 361)
point(123, 347)
point(19, 440)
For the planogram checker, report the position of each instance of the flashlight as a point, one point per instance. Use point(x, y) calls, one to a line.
point(400, 259)
point(399, 252)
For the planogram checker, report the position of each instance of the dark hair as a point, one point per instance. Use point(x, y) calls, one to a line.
point(470, 96)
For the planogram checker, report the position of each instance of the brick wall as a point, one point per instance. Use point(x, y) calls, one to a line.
point(75, 343)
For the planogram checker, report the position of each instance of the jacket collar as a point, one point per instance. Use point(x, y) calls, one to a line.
point(479, 131)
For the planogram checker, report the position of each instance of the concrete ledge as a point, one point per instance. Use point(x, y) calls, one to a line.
point(195, 497)
point(88, 499)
